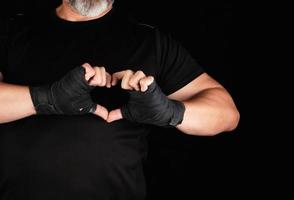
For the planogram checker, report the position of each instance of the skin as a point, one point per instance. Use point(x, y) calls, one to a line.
point(64, 11)
point(209, 107)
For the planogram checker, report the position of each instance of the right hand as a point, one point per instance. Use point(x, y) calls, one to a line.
point(71, 94)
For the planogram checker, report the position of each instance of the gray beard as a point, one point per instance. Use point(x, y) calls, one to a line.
point(90, 8)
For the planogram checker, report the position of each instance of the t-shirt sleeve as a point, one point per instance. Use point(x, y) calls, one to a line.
point(3, 44)
point(177, 66)
point(2, 55)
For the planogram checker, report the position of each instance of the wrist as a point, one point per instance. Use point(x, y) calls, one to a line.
point(42, 100)
point(178, 113)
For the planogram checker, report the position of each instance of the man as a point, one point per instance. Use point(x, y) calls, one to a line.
point(80, 89)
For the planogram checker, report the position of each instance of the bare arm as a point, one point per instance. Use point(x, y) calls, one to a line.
point(209, 108)
point(15, 102)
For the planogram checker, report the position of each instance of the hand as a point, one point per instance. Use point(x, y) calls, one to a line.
point(147, 104)
point(129, 81)
point(71, 94)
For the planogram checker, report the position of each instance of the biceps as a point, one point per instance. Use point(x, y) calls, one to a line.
point(199, 84)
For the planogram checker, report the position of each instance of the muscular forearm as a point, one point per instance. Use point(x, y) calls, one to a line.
point(210, 112)
point(15, 102)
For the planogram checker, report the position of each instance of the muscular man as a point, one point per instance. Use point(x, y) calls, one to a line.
point(80, 88)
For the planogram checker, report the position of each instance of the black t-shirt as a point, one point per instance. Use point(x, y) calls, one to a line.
point(83, 157)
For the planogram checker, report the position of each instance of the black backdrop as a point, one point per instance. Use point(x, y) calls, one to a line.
point(181, 166)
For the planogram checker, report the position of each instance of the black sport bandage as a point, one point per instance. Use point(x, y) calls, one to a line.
point(153, 107)
point(68, 96)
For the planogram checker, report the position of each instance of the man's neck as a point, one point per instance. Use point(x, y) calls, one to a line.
point(65, 12)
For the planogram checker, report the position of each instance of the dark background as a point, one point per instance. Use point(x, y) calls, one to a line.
point(181, 166)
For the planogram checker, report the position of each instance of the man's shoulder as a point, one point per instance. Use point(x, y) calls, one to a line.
point(134, 28)
point(144, 30)
point(127, 21)
point(145, 27)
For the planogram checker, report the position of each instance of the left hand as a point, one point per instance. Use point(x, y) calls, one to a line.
point(130, 80)
point(147, 104)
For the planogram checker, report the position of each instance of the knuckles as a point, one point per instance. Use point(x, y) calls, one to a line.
point(132, 79)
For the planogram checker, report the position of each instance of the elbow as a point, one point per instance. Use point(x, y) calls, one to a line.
point(225, 120)
point(233, 118)
point(227, 123)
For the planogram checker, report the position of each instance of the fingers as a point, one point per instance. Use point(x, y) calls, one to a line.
point(124, 76)
point(126, 79)
point(98, 76)
point(116, 77)
point(132, 81)
point(101, 77)
point(97, 80)
point(108, 80)
point(114, 115)
point(90, 72)
point(135, 80)
point(145, 82)
point(101, 112)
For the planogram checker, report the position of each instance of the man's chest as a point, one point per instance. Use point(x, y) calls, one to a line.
point(41, 59)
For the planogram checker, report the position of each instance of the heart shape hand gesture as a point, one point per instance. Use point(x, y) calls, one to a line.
point(131, 81)
point(71, 96)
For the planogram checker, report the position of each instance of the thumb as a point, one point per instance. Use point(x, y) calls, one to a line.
point(114, 115)
point(101, 112)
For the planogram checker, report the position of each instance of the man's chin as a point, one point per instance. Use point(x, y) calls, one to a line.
point(90, 8)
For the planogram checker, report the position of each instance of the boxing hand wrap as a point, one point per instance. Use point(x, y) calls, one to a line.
point(153, 107)
point(68, 96)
